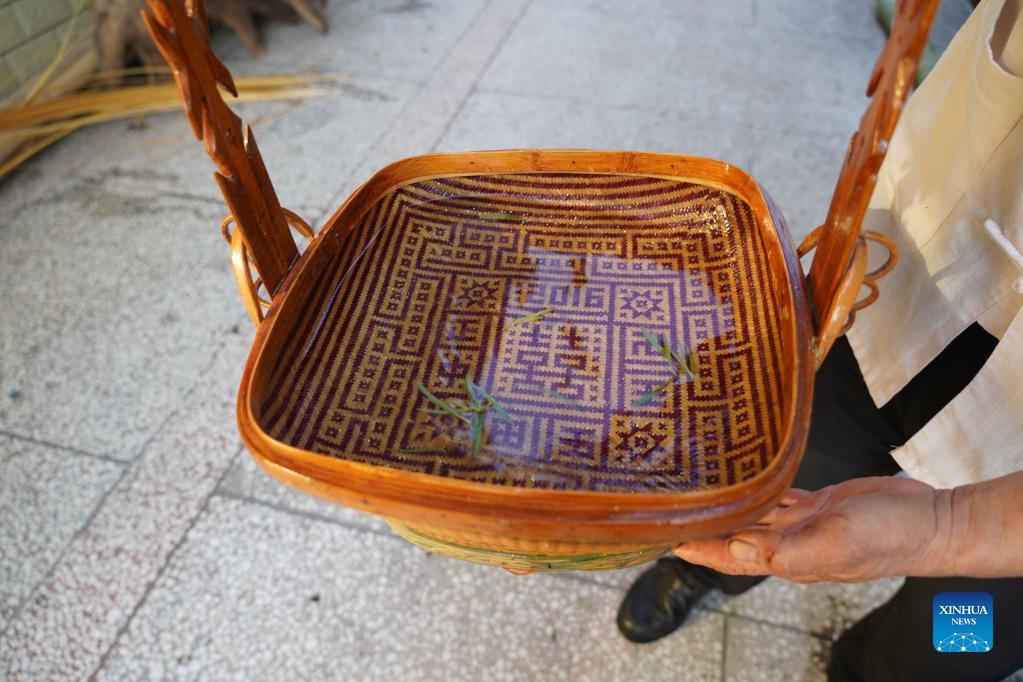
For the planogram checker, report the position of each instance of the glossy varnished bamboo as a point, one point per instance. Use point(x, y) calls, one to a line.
point(832, 290)
point(182, 35)
point(472, 512)
point(527, 528)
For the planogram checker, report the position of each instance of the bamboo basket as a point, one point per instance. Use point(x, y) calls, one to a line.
point(540, 359)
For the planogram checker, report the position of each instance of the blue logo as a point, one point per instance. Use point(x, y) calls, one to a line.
point(964, 622)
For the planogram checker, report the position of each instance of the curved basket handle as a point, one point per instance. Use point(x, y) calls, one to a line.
point(836, 270)
point(181, 33)
point(845, 305)
point(241, 263)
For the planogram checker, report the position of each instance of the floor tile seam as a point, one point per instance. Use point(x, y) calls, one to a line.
point(721, 122)
point(823, 37)
point(301, 513)
point(59, 560)
point(151, 584)
point(482, 73)
point(768, 623)
point(66, 448)
point(724, 646)
point(130, 469)
point(339, 196)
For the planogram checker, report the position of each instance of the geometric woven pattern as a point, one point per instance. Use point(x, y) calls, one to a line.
point(545, 290)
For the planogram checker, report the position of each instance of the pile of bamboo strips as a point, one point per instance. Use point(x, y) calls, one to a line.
point(44, 111)
point(31, 127)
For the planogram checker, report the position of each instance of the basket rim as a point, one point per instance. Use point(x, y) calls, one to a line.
point(373, 487)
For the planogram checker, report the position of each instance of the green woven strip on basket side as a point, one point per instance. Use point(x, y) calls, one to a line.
point(602, 561)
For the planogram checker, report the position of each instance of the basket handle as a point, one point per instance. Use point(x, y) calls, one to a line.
point(856, 277)
point(839, 267)
point(181, 33)
point(241, 263)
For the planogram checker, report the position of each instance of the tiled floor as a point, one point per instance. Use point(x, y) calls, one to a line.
point(140, 542)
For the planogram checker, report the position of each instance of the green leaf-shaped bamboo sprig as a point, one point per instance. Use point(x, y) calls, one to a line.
point(500, 217)
point(533, 317)
point(680, 365)
point(472, 412)
point(557, 395)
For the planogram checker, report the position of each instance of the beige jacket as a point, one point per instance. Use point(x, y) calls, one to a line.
point(950, 193)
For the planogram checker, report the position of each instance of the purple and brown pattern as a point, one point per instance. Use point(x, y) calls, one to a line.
point(544, 289)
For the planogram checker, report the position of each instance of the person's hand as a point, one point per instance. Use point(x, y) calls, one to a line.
point(858, 530)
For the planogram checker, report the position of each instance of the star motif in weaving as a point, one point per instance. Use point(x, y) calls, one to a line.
point(642, 303)
point(640, 442)
point(477, 293)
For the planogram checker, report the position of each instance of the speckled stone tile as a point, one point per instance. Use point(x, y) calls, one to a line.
point(850, 21)
point(74, 615)
point(23, 185)
point(310, 147)
point(494, 120)
point(113, 300)
point(314, 148)
point(255, 593)
point(706, 60)
point(46, 495)
point(756, 652)
point(247, 480)
point(620, 580)
point(378, 39)
point(423, 123)
point(799, 172)
point(824, 609)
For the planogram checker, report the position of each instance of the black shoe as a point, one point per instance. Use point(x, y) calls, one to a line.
point(659, 601)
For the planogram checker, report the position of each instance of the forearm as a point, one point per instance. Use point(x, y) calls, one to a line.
point(979, 530)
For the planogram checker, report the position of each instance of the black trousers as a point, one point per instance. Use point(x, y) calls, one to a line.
point(850, 438)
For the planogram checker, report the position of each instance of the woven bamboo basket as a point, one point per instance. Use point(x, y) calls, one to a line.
point(540, 359)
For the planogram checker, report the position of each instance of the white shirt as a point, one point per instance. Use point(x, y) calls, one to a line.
point(950, 193)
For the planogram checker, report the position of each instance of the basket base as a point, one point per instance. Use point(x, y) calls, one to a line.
point(523, 561)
